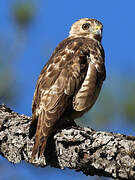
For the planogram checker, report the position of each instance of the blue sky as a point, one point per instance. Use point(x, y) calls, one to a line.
point(50, 26)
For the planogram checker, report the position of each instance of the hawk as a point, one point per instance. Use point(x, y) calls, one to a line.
point(70, 82)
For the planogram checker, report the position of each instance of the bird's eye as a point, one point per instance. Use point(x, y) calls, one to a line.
point(85, 26)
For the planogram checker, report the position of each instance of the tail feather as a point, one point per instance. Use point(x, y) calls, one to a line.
point(40, 138)
point(39, 147)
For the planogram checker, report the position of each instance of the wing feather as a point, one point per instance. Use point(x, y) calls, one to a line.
point(90, 88)
point(85, 95)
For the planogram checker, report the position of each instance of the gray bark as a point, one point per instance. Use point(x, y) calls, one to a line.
point(82, 149)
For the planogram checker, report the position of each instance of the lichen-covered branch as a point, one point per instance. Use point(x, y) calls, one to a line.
point(81, 149)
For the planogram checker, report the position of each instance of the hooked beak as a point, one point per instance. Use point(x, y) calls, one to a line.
point(98, 30)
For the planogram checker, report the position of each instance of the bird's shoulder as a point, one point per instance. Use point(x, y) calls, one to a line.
point(69, 51)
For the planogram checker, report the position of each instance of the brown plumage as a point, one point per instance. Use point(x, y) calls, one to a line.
point(70, 82)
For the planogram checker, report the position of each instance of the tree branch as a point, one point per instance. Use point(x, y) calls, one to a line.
point(82, 149)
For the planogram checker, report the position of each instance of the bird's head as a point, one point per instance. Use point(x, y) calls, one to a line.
point(90, 28)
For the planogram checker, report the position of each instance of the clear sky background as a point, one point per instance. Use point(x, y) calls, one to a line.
point(25, 51)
